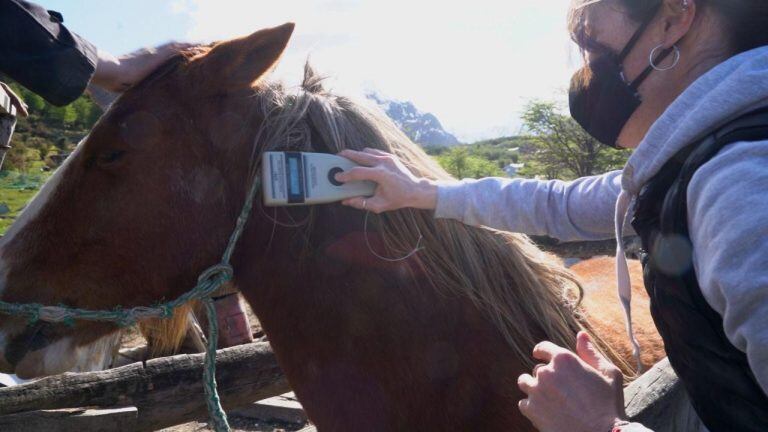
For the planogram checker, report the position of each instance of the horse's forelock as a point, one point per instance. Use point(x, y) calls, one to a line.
point(312, 82)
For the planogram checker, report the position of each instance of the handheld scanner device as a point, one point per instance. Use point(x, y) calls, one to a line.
point(294, 178)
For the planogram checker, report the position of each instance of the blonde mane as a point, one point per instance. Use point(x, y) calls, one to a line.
point(526, 293)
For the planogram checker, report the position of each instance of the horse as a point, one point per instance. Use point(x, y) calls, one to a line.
point(147, 201)
point(600, 306)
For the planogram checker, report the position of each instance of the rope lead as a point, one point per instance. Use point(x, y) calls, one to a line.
point(208, 282)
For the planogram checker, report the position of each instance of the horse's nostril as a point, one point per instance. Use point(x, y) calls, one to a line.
point(33, 338)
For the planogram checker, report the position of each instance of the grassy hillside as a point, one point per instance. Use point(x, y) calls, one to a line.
point(37, 146)
point(486, 158)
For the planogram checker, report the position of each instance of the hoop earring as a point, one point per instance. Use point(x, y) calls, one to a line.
point(675, 61)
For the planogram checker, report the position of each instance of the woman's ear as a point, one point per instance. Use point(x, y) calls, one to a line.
point(677, 17)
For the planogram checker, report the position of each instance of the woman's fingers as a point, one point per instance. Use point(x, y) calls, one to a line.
point(361, 158)
point(526, 382)
point(376, 152)
point(587, 351)
point(396, 188)
point(524, 406)
point(356, 202)
point(360, 174)
point(547, 351)
point(371, 204)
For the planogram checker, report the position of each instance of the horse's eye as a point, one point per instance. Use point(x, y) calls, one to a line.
point(111, 156)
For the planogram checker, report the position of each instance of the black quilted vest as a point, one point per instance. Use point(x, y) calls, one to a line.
point(716, 375)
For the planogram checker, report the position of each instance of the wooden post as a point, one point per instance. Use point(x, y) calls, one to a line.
point(7, 123)
point(658, 400)
point(166, 391)
point(587, 249)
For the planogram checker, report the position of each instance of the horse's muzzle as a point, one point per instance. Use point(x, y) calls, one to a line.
point(33, 338)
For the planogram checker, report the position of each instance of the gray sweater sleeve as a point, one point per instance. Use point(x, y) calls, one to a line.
point(569, 211)
point(728, 216)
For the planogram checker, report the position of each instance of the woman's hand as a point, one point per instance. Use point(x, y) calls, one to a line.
point(397, 186)
point(116, 74)
point(579, 393)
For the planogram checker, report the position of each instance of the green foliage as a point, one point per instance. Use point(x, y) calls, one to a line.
point(16, 189)
point(33, 101)
point(61, 116)
point(48, 130)
point(561, 148)
point(460, 163)
point(500, 151)
point(486, 158)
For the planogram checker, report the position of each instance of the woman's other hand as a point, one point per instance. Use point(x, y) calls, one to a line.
point(116, 74)
point(573, 392)
point(397, 187)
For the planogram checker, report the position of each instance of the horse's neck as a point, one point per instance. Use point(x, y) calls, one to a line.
point(366, 340)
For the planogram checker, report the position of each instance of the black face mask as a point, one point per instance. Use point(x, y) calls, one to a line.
point(600, 98)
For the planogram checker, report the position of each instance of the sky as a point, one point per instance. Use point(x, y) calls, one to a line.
point(474, 64)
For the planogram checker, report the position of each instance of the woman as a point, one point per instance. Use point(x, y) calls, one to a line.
point(682, 82)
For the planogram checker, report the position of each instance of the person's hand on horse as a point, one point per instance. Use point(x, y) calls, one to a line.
point(397, 186)
point(116, 74)
point(573, 392)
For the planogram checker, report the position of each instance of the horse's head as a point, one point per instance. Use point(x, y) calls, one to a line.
point(143, 204)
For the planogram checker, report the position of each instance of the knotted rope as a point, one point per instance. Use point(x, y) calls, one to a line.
point(208, 282)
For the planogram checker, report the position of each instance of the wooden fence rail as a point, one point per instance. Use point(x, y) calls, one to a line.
point(658, 400)
point(165, 391)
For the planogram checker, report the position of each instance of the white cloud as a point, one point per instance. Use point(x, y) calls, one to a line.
point(473, 64)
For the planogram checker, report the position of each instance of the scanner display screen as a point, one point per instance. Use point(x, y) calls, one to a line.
point(293, 175)
point(295, 170)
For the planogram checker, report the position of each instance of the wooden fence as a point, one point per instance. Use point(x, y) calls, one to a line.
point(142, 396)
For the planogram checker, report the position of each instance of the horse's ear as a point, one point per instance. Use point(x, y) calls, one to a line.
point(240, 63)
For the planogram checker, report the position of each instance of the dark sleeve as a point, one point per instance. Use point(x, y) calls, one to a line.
point(37, 51)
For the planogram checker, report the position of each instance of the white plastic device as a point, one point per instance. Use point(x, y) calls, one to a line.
point(297, 178)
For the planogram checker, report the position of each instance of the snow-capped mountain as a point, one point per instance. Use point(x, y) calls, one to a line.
point(422, 128)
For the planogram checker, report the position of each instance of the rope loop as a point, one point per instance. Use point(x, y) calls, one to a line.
point(166, 310)
point(209, 281)
point(216, 275)
point(33, 313)
point(125, 319)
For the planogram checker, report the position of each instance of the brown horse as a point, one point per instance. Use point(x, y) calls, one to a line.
point(601, 307)
point(148, 200)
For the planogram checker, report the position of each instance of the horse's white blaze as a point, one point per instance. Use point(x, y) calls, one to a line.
point(31, 211)
point(97, 355)
point(63, 356)
point(57, 357)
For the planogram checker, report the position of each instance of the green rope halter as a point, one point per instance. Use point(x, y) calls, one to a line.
point(208, 282)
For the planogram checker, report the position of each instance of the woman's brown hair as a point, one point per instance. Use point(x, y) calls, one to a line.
point(745, 21)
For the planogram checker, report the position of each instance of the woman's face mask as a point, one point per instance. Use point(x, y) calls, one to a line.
point(600, 98)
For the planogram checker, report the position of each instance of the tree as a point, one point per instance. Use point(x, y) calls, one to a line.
point(461, 164)
point(61, 116)
point(562, 148)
